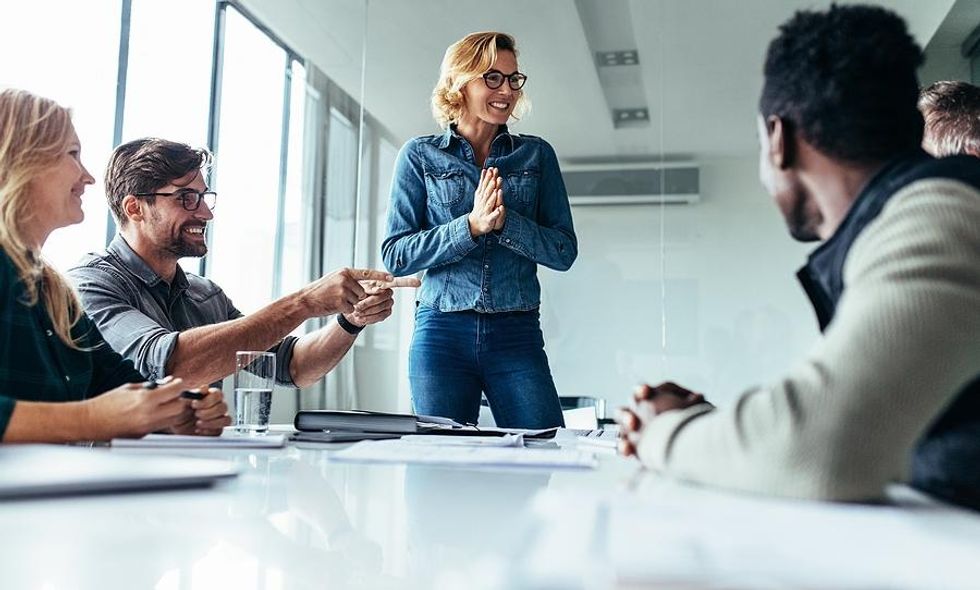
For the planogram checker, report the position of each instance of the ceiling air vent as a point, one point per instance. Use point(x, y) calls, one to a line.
point(631, 184)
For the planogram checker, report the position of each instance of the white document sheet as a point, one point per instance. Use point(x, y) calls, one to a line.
point(507, 440)
point(180, 441)
point(396, 451)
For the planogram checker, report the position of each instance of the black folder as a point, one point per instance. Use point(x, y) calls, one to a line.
point(357, 421)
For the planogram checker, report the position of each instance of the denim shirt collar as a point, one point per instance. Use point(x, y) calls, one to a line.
point(451, 133)
point(123, 252)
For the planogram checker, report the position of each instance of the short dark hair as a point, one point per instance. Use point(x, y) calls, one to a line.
point(146, 165)
point(845, 80)
point(952, 113)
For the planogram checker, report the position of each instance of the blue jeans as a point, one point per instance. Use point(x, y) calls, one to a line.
point(457, 355)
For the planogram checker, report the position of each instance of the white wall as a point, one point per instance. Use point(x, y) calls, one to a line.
point(944, 62)
point(735, 315)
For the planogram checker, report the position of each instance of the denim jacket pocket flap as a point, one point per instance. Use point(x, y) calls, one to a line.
point(445, 187)
point(523, 184)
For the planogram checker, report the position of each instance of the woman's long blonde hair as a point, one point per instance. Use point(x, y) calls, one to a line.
point(465, 60)
point(34, 133)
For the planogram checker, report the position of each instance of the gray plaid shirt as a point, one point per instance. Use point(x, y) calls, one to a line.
point(140, 315)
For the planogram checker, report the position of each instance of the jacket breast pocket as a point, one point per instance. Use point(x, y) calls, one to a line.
point(522, 185)
point(445, 188)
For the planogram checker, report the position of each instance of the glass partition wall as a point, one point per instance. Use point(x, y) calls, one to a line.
point(305, 105)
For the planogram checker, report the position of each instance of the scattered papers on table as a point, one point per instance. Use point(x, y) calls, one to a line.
point(397, 451)
point(507, 440)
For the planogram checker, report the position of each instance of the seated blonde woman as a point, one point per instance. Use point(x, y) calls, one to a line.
point(59, 381)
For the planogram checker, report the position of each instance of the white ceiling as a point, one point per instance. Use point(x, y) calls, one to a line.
point(701, 59)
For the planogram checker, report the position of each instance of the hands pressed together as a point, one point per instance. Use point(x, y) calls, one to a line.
point(648, 402)
point(488, 212)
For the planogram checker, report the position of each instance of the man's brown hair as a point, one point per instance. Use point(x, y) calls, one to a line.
point(952, 113)
point(147, 165)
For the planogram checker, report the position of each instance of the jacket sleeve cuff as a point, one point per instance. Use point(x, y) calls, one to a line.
point(462, 241)
point(153, 363)
point(513, 231)
point(658, 436)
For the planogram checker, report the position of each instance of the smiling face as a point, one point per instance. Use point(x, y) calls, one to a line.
point(173, 230)
point(56, 193)
point(487, 105)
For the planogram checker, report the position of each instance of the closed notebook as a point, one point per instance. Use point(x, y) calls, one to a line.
point(356, 421)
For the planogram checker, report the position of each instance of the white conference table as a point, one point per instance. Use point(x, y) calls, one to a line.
point(295, 518)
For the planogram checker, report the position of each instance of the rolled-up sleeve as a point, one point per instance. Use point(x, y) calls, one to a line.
point(109, 368)
point(282, 349)
point(284, 356)
point(128, 330)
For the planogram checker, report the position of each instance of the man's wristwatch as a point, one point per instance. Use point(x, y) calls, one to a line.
point(348, 327)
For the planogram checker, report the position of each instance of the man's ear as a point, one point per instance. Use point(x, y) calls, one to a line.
point(132, 208)
point(782, 152)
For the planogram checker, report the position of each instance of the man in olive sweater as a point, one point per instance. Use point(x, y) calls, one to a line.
point(891, 391)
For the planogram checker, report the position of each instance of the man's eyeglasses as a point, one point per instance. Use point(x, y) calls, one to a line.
point(494, 79)
point(189, 198)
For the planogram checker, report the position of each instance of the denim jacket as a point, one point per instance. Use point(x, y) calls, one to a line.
point(432, 193)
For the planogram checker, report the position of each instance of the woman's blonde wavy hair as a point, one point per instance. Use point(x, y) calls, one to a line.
point(34, 133)
point(465, 60)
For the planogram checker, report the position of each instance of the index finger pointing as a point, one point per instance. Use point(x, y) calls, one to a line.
point(399, 282)
point(365, 274)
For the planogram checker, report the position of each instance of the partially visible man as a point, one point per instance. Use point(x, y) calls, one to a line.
point(952, 113)
point(169, 322)
point(895, 379)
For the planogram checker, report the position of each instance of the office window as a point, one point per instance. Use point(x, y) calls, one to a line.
point(168, 83)
point(341, 188)
point(293, 265)
point(364, 201)
point(72, 59)
point(385, 334)
point(387, 152)
point(247, 168)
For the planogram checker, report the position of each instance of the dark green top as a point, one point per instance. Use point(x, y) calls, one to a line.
point(36, 365)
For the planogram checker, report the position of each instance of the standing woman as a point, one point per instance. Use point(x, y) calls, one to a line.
point(59, 381)
point(478, 209)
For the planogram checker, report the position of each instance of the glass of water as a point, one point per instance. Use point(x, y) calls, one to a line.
point(255, 374)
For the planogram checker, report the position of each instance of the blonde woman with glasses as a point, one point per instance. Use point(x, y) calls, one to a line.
point(59, 381)
point(479, 208)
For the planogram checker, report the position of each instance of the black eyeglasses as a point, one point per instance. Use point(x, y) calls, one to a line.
point(494, 79)
point(190, 199)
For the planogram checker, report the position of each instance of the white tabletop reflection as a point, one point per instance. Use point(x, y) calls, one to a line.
point(294, 518)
